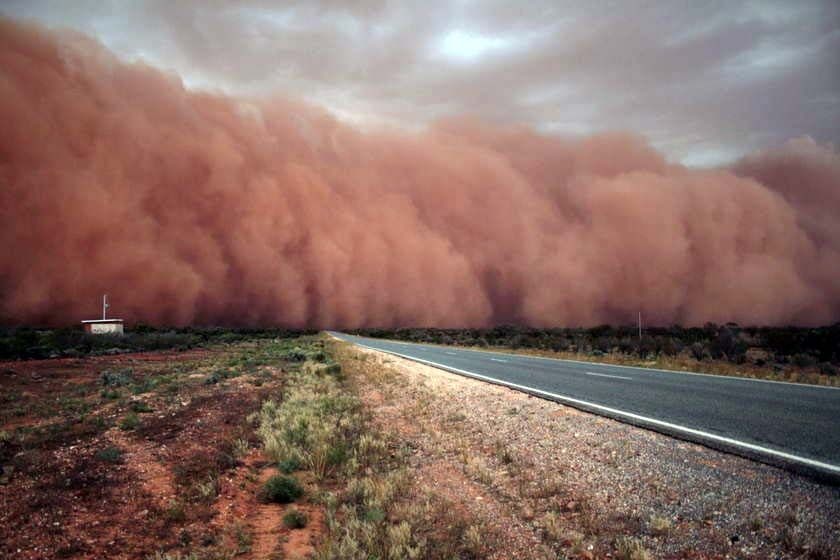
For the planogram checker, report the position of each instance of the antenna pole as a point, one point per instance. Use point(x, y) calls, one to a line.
point(640, 325)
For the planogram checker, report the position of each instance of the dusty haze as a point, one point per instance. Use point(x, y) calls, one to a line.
point(189, 207)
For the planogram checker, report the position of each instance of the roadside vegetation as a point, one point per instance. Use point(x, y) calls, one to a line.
point(32, 343)
point(136, 455)
point(321, 432)
point(294, 446)
point(248, 447)
point(535, 479)
point(803, 355)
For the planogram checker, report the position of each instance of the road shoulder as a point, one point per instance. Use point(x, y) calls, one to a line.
point(567, 481)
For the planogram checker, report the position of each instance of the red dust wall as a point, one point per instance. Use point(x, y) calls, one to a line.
point(193, 207)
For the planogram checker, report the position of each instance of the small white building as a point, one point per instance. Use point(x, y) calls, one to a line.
point(103, 326)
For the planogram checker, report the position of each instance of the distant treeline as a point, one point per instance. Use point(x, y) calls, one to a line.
point(33, 343)
point(802, 347)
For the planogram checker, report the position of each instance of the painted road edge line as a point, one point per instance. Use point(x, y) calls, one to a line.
point(608, 375)
point(641, 369)
point(696, 435)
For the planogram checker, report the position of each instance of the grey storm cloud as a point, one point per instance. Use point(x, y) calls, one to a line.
point(705, 82)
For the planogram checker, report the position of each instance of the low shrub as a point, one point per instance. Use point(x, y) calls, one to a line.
point(130, 422)
point(281, 489)
point(295, 519)
point(296, 354)
point(660, 525)
point(110, 455)
point(290, 465)
point(628, 548)
point(140, 406)
point(117, 378)
point(175, 512)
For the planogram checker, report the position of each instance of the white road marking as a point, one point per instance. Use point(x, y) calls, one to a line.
point(605, 375)
point(835, 469)
point(451, 353)
point(640, 369)
point(498, 360)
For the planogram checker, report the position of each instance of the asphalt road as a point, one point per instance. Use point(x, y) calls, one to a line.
point(791, 425)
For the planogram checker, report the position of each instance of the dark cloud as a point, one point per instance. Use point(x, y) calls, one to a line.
point(705, 81)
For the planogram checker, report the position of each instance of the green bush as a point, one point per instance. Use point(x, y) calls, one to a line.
point(110, 454)
point(296, 354)
point(118, 378)
point(140, 406)
point(290, 465)
point(130, 422)
point(281, 490)
point(295, 519)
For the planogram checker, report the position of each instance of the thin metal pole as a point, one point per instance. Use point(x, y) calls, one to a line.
point(640, 325)
point(104, 305)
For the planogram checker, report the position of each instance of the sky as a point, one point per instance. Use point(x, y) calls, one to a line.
point(704, 82)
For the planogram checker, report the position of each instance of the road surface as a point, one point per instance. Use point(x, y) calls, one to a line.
point(791, 425)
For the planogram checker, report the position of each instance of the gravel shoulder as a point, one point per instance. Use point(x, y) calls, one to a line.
point(548, 480)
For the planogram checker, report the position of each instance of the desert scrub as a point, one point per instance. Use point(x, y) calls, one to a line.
point(628, 548)
point(281, 489)
point(660, 525)
point(316, 424)
point(130, 422)
point(288, 466)
point(295, 519)
point(110, 455)
point(371, 506)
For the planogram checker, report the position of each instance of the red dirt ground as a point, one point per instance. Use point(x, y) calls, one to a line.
point(180, 481)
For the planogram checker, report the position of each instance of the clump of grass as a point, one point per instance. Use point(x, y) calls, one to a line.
point(660, 525)
point(172, 556)
point(474, 542)
point(140, 406)
point(241, 447)
point(290, 465)
point(456, 417)
point(629, 548)
point(110, 454)
point(549, 487)
point(281, 489)
point(129, 422)
point(117, 378)
point(295, 354)
point(243, 537)
point(295, 519)
point(209, 489)
point(552, 526)
point(175, 512)
point(312, 424)
point(503, 453)
point(477, 469)
point(318, 368)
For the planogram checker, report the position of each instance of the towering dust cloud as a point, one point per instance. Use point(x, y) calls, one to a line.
point(189, 207)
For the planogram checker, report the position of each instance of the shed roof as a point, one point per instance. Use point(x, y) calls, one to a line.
point(103, 321)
